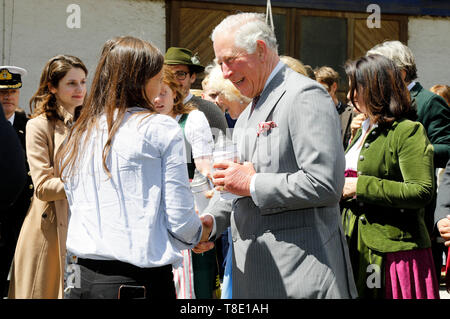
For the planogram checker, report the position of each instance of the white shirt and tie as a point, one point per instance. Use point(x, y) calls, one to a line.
point(11, 119)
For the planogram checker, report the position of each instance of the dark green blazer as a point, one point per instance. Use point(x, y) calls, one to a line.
point(395, 182)
point(434, 113)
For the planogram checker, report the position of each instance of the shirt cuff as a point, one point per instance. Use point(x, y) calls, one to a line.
point(252, 189)
point(214, 229)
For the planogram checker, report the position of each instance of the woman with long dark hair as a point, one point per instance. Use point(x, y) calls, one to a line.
point(389, 180)
point(124, 172)
point(38, 265)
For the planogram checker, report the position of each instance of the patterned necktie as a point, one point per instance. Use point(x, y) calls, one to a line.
point(254, 102)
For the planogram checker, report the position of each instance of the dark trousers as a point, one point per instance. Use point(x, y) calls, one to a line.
point(11, 221)
point(205, 270)
point(10, 225)
point(102, 279)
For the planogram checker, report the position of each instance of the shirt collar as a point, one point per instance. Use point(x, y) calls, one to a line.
point(11, 119)
point(65, 115)
point(188, 98)
point(366, 124)
point(411, 85)
point(275, 70)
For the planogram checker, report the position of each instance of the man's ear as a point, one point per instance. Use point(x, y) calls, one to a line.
point(261, 50)
point(193, 77)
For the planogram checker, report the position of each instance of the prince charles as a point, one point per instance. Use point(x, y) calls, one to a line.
point(285, 225)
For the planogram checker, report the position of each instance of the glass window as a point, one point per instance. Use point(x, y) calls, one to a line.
point(279, 20)
point(323, 41)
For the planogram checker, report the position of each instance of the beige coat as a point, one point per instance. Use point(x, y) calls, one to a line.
point(38, 265)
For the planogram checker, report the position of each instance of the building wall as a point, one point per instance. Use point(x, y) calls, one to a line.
point(429, 40)
point(34, 31)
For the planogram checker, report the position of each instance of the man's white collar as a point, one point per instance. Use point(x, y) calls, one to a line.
point(188, 98)
point(11, 119)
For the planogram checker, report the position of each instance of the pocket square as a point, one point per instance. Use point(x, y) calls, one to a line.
point(265, 126)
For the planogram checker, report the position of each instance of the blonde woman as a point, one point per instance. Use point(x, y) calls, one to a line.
point(222, 92)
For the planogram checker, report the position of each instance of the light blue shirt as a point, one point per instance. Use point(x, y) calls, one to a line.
point(411, 85)
point(144, 214)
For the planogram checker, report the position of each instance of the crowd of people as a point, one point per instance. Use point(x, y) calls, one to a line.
point(329, 198)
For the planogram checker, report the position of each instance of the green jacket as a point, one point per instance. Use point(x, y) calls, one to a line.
point(434, 113)
point(395, 182)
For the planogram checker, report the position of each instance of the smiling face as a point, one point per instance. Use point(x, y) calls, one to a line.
point(71, 89)
point(245, 70)
point(164, 101)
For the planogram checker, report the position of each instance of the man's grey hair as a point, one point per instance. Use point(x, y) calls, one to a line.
point(400, 54)
point(248, 27)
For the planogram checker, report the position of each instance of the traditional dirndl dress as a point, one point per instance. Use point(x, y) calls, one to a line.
point(397, 275)
point(183, 277)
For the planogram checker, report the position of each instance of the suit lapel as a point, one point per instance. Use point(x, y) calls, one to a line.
point(262, 112)
point(19, 124)
point(60, 133)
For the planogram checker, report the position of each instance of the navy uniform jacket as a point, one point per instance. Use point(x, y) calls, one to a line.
point(12, 217)
point(12, 165)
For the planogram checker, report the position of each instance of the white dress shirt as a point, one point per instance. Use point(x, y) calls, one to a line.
point(352, 155)
point(11, 119)
point(144, 214)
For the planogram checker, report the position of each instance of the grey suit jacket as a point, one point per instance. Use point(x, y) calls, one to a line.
point(289, 244)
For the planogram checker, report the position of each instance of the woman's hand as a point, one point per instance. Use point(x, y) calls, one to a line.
point(356, 123)
point(349, 187)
